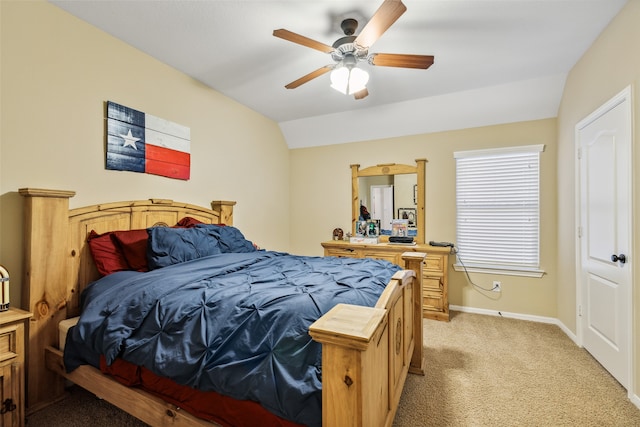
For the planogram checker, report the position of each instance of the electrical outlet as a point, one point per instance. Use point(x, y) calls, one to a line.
point(497, 286)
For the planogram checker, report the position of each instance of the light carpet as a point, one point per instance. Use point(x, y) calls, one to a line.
point(493, 371)
point(481, 371)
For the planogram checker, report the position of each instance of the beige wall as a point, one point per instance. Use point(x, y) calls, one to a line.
point(611, 64)
point(56, 74)
point(321, 195)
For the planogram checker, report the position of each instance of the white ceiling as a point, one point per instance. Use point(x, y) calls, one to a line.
point(496, 61)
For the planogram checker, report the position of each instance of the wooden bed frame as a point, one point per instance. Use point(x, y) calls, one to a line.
point(358, 342)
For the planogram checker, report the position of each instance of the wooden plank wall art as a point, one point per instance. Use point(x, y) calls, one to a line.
point(140, 142)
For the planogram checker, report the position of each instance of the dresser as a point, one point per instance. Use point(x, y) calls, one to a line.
point(435, 281)
point(12, 360)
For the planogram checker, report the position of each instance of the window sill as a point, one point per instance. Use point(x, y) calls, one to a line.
point(498, 270)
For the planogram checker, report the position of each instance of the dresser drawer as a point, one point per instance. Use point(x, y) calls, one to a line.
point(391, 257)
point(430, 283)
point(432, 301)
point(8, 340)
point(341, 252)
point(434, 263)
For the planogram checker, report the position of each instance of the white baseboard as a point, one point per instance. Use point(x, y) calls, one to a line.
point(530, 317)
point(635, 399)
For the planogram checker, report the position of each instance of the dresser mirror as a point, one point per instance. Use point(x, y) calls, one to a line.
point(386, 192)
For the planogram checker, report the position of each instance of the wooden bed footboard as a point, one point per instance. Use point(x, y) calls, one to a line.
point(366, 354)
point(368, 351)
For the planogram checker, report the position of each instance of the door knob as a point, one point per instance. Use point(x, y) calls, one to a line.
point(622, 258)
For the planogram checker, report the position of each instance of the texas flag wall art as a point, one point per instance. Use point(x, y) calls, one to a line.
point(140, 142)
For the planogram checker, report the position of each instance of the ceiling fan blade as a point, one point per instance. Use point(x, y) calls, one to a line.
point(302, 40)
point(361, 94)
point(401, 60)
point(388, 12)
point(312, 75)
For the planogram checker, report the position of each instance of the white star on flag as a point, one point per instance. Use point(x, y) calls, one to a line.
point(130, 140)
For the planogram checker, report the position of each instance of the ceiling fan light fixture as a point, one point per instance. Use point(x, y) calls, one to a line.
point(349, 80)
point(347, 51)
point(340, 79)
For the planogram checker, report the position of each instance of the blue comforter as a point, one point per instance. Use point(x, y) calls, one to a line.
point(234, 323)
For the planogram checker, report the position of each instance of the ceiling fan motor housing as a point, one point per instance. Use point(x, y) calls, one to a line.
point(349, 26)
point(345, 46)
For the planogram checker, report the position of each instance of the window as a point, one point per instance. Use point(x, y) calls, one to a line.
point(498, 210)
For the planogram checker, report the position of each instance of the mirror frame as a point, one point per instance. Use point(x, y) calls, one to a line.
point(390, 169)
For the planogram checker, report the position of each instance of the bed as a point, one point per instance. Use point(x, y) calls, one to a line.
point(366, 350)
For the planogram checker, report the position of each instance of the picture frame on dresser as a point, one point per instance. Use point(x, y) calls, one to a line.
point(409, 214)
point(373, 228)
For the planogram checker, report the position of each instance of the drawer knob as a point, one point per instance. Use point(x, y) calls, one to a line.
point(8, 406)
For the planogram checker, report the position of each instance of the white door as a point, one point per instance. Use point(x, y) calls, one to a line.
point(605, 234)
point(382, 205)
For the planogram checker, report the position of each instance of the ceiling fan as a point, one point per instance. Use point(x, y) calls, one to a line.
point(347, 51)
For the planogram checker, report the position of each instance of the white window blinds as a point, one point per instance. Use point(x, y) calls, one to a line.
point(498, 207)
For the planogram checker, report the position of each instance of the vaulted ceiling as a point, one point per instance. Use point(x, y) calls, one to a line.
point(496, 61)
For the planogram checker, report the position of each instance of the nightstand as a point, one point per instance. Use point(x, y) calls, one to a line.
point(12, 362)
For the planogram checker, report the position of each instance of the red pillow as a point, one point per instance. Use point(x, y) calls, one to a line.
point(125, 250)
point(188, 222)
point(106, 254)
point(133, 244)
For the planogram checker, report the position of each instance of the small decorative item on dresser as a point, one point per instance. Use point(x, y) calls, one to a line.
point(361, 228)
point(4, 290)
point(399, 227)
point(373, 228)
point(338, 234)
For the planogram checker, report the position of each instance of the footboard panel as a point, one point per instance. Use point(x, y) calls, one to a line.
point(367, 353)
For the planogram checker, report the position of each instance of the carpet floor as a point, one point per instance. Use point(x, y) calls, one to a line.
point(493, 371)
point(481, 371)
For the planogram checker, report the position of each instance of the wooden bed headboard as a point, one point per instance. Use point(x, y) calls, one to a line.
point(58, 263)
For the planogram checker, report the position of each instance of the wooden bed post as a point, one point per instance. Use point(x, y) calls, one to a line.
point(226, 210)
point(355, 385)
point(44, 287)
point(413, 261)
